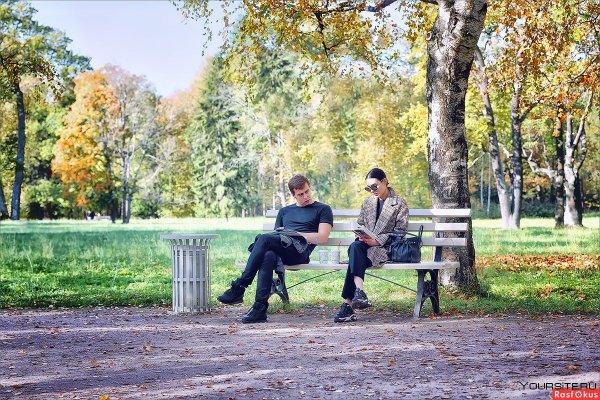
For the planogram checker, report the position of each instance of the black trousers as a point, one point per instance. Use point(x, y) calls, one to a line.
point(263, 260)
point(357, 264)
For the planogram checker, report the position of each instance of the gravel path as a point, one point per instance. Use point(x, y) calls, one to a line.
point(129, 353)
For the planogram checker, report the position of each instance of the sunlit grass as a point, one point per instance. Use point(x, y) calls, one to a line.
point(80, 263)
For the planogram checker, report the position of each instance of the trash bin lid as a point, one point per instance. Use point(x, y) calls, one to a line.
point(189, 236)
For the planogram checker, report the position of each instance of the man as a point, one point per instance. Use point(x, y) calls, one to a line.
point(311, 219)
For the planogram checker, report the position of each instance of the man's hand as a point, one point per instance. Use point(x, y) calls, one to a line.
point(369, 241)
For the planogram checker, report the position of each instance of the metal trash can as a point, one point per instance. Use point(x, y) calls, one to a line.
point(191, 271)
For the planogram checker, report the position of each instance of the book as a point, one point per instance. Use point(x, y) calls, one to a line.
point(361, 231)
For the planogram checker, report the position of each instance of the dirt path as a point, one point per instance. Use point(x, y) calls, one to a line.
point(140, 353)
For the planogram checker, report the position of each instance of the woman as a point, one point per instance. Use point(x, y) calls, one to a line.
point(383, 212)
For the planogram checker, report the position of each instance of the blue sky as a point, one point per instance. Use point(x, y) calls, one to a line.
point(149, 38)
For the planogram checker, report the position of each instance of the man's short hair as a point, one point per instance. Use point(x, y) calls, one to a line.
point(297, 182)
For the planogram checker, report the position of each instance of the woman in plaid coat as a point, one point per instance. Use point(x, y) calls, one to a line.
point(383, 213)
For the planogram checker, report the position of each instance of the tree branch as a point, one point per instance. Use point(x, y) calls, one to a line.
point(582, 120)
point(321, 24)
point(531, 107)
point(535, 168)
point(592, 62)
point(582, 153)
point(505, 150)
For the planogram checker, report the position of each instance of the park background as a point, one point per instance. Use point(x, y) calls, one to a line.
point(214, 156)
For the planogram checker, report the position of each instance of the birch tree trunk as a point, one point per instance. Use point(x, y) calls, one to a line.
point(15, 206)
point(516, 156)
point(481, 201)
point(559, 176)
point(489, 186)
point(112, 200)
point(450, 46)
point(124, 201)
point(571, 216)
point(494, 152)
point(573, 162)
point(127, 208)
point(3, 208)
point(579, 199)
point(124, 180)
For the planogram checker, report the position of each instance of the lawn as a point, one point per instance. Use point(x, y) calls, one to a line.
point(77, 263)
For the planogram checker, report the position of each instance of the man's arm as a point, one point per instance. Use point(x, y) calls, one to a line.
point(321, 236)
point(279, 219)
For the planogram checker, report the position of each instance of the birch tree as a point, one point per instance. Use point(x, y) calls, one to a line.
point(328, 32)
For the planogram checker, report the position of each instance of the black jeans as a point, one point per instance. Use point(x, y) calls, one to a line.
point(357, 264)
point(263, 260)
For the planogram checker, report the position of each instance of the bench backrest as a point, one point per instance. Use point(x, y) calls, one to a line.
point(431, 219)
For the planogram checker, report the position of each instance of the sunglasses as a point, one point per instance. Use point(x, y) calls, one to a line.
point(372, 188)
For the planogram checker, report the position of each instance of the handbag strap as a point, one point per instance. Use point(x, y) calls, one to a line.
point(403, 233)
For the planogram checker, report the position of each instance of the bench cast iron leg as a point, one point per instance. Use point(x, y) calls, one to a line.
point(427, 290)
point(278, 288)
point(420, 289)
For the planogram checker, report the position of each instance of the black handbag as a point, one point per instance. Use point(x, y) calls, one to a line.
point(405, 249)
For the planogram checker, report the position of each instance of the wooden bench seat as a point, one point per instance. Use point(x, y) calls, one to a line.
point(433, 222)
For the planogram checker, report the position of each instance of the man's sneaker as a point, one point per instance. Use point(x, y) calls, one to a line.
point(258, 313)
point(360, 300)
point(233, 295)
point(346, 314)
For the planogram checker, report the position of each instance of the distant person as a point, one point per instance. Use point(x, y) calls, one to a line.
point(313, 220)
point(383, 212)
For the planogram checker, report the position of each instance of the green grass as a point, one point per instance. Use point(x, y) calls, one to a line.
point(78, 263)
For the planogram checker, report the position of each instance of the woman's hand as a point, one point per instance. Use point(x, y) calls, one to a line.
point(369, 241)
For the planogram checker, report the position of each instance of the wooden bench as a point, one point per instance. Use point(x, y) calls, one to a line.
point(433, 220)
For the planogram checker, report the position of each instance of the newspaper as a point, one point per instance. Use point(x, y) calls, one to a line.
point(287, 232)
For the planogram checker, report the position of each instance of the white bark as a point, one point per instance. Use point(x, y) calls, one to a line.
point(573, 162)
point(451, 45)
point(496, 161)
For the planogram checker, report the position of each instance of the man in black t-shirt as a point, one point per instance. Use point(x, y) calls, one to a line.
point(313, 220)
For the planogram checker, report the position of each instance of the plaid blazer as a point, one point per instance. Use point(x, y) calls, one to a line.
point(393, 218)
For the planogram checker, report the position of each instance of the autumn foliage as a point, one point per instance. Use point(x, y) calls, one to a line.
point(79, 160)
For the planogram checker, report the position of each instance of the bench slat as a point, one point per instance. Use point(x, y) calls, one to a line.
point(412, 226)
point(427, 241)
point(413, 212)
point(316, 266)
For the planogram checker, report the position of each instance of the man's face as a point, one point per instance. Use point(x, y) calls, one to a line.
point(303, 196)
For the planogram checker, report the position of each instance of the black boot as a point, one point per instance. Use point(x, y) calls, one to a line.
point(258, 313)
point(233, 295)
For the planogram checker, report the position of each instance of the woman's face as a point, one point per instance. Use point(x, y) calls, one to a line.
point(376, 187)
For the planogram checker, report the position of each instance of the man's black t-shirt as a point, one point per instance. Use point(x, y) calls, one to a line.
point(304, 219)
